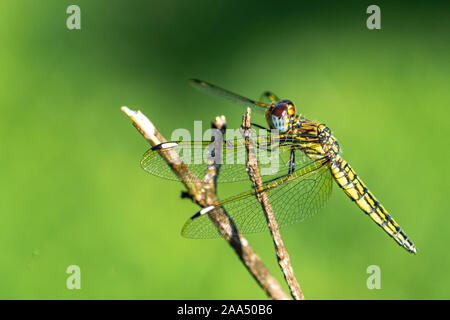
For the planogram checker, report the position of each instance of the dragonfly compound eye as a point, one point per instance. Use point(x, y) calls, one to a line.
point(278, 117)
point(289, 105)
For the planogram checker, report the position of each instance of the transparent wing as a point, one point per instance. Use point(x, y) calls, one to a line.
point(269, 97)
point(232, 157)
point(293, 198)
point(222, 93)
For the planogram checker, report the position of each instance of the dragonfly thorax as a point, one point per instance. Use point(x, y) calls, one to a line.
point(329, 143)
point(279, 115)
point(315, 139)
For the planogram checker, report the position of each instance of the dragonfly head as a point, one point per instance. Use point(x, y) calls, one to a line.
point(279, 115)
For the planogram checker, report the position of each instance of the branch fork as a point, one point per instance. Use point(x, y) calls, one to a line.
point(203, 192)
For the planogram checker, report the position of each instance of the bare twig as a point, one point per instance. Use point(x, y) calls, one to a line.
point(255, 177)
point(203, 192)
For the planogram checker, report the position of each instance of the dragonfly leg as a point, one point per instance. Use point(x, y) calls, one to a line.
point(292, 162)
point(259, 126)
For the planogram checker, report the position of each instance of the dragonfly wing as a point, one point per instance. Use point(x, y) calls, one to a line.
point(154, 163)
point(233, 159)
point(222, 93)
point(293, 198)
point(269, 97)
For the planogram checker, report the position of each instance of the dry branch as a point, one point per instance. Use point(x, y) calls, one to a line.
point(203, 192)
point(255, 177)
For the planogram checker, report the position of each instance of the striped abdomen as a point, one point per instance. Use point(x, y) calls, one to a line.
point(349, 181)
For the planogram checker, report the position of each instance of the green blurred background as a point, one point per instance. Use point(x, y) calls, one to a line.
point(72, 190)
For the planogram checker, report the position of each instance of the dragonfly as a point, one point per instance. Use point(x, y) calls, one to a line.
point(298, 189)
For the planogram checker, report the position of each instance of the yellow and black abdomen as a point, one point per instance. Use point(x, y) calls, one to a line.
point(352, 185)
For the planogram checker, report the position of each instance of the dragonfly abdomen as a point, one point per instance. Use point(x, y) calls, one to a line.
point(356, 190)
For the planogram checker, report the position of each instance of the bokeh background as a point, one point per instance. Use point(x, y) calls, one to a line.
point(72, 190)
